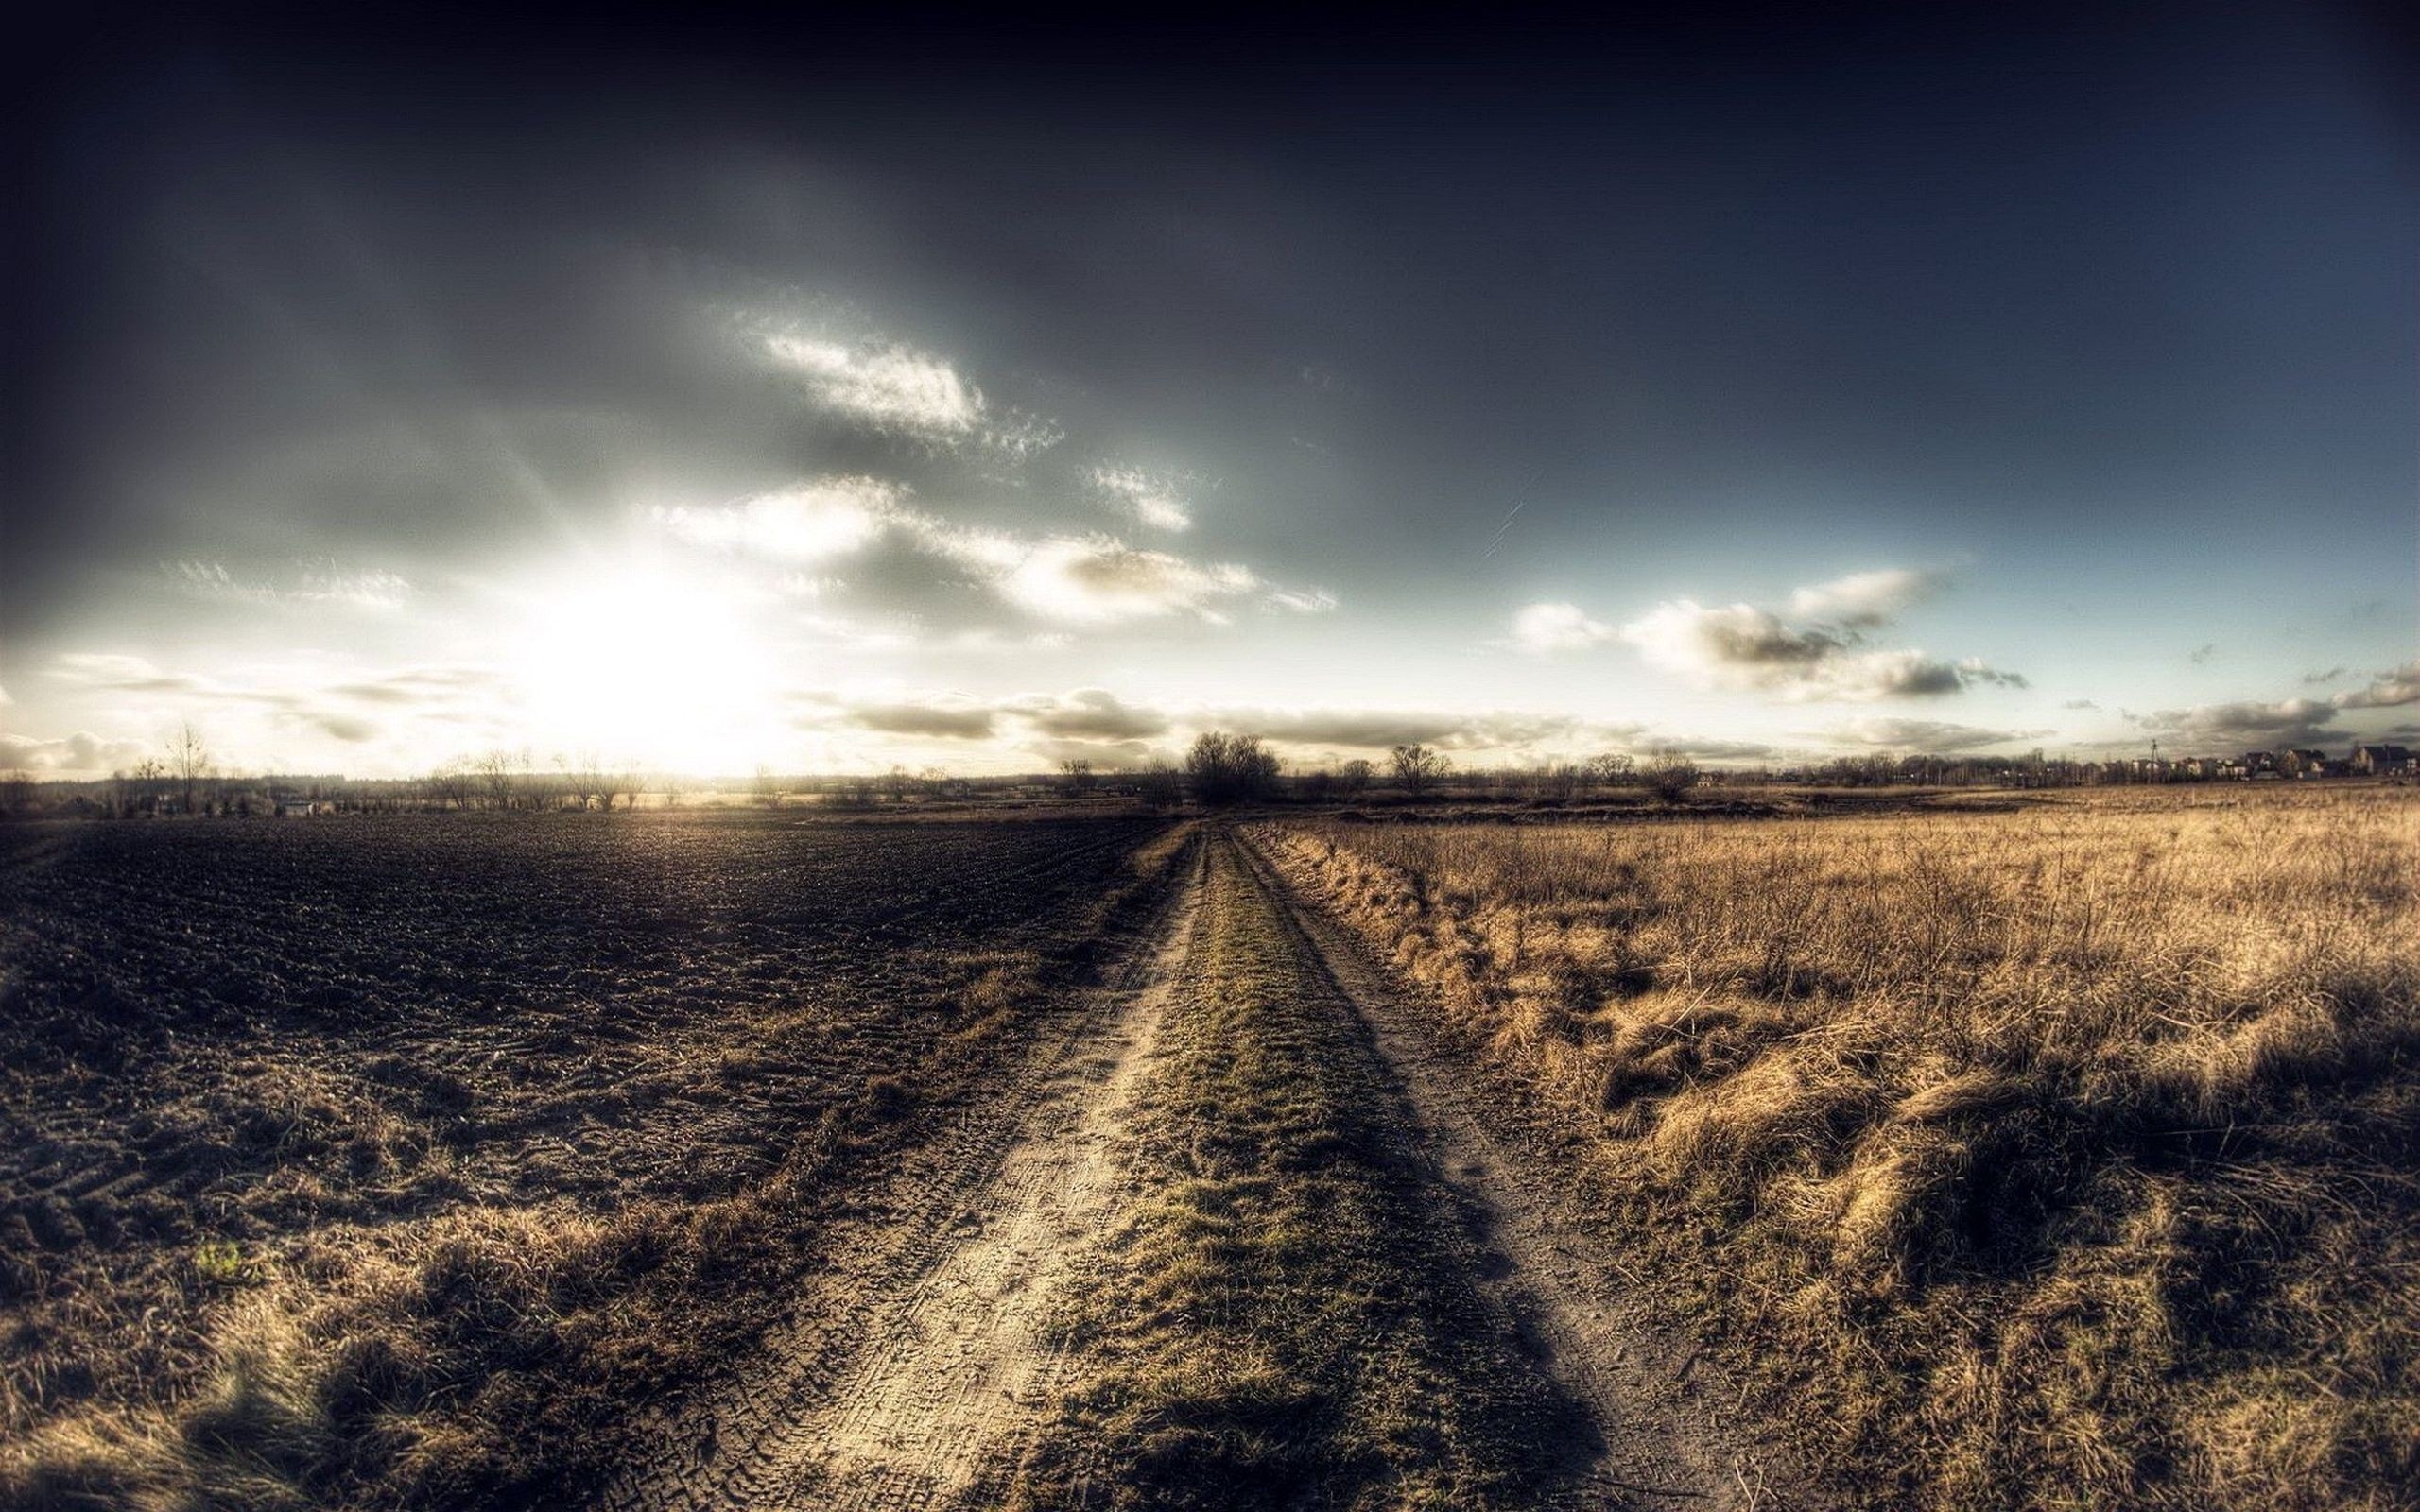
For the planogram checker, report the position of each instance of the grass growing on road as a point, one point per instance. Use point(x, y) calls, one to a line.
point(2050, 1158)
point(1284, 1318)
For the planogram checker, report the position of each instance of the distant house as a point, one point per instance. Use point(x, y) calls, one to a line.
point(2304, 763)
point(2380, 760)
point(2260, 764)
point(289, 806)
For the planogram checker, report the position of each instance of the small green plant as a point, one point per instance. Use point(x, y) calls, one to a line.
point(221, 1263)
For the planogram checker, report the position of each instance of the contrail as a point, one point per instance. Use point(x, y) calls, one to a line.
point(1518, 505)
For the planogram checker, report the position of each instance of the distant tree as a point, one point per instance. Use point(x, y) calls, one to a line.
point(16, 793)
point(188, 762)
point(1227, 768)
point(1315, 787)
point(493, 771)
point(580, 778)
point(1161, 785)
point(1076, 776)
point(1611, 770)
point(1417, 768)
point(767, 787)
point(449, 786)
point(933, 782)
point(1557, 780)
point(1668, 774)
point(895, 783)
point(673, 785)
point(1353, 776)
point(618, 780)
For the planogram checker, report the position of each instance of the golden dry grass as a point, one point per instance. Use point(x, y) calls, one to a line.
point(2046, 1159)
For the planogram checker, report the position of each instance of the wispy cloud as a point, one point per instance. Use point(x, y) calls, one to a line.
point(894, 388)
point(1073, 579)
point(1098, 580)
point(891, 387)
point(1867, 599)
point(806, 522)
point(1153, 499)
point(307, 582)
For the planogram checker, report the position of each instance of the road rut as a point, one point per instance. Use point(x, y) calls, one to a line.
point(937, 1367)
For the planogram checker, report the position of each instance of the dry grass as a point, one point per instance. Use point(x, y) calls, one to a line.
point(1283, 1316)
point(2037, 1159)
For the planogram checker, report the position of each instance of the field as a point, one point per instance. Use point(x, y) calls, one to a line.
point(386, 1160)
point(2054, 1158)
point(2049, 1151)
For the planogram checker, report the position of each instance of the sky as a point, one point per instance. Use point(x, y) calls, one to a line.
point(705, 396)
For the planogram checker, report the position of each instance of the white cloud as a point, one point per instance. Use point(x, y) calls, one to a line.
point(1097, 579)
point(1302, 600)
point(893, 388)
point(1152, 499)
point(77, 754)
point(370, 589)
point(1069, 580)
point(1543, 629)
point(1744, 648)
point(1734, 646)
point(806, 522)
point(1867, 599)
point(2392, 690)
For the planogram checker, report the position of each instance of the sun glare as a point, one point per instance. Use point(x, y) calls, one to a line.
point(642, 664)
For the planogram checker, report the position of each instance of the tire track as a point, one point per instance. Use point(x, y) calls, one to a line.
point(1665, 1439)
point(937, 1368)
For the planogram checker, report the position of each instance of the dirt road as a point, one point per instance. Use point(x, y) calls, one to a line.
point(1242, 1163)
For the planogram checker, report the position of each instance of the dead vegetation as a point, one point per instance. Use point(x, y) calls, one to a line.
point(2044, 1159)
point(1283, 1315)
point(395, 1165)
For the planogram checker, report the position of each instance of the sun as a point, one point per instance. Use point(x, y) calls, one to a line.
point(636, 662)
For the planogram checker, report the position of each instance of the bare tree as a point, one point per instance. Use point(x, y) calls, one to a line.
point(1225, 768)
point(188, 761)
point(1353, 776)
point(1417, 768)
point(1611, 770)
point(611, 781)
point(1557, 780)
point(581, 778)
point(494, 773)
point(1161, 785)
point(449, 786)
point(1076, 776)
point(1668, 774)
point(768, 787)
point(674, 786)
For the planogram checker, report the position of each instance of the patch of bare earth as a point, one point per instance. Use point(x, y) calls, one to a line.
point(924, 1358)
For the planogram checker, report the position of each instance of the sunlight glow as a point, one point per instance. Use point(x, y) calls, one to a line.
point(642, 664)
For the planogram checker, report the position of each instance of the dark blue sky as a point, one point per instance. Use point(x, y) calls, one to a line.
point(2095, 324)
